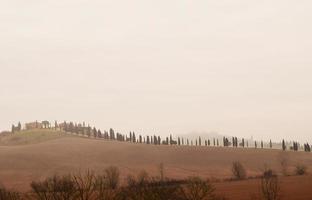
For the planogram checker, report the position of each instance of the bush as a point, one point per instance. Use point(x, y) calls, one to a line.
point(301, 170)
point(270, 189)
point(85, 185)
point(56, 187)
point(197, 189)
point(238, 170)
point(268, 173)
point(112, 177)
point(9, 195)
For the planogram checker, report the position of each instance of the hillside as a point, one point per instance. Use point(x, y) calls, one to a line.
point(47, 153)
point(30, 137)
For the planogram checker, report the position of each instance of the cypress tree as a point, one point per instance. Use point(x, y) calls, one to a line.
point(19, 126)
point(13, 128)
point(99, 133)
point(271, 144)
point(133, 137)
point(147, 140)
point(111, 134)
point(94, 132)
point(283, 145)
point(199, 141)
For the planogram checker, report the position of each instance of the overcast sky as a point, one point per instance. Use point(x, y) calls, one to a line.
point(239, 67)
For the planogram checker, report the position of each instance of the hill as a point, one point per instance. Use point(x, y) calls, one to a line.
point(33, 155)
point(30, 137)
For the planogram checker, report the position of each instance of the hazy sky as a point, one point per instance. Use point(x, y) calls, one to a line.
point(239, 67)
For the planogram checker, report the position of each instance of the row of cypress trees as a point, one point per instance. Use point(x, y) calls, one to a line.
point(87, 130)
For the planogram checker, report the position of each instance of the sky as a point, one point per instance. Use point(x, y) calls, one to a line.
point(239, 67)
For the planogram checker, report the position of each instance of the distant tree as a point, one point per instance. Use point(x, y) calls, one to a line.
point(147, 140)
point(133, 137)
point(140, 138)
point(295, 146)
point(19, 126)
point(167, 140)
point(182, 141)
point(55, 125)
point(159, 140)
point(208, 142)
point(255, 144)
point(271, 144)
point(13, 128)
point(247, 143)
point(196, 142)
point(89, 131)
point(243, 143)
point(130, 136)
point(179, 142)
point(261, 144)
point(283, 145)
point(99, 133)
point(170, 139)
point(199, 141)
point(111, 134)
point(214, 142)
point(187, 142)
point(94, 131)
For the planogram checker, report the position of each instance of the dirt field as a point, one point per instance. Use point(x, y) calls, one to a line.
point(21, 162)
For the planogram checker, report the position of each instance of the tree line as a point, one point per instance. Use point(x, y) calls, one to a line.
point(88, 131)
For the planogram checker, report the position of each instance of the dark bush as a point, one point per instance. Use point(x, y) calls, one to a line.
point(56, 188)
point(270, 189)
point(9, 195)
point(198, 189)
point(301, 170)
point(238, 170)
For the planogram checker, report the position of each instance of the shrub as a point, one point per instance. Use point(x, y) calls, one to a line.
point(146, 188)
point(56, 187)
point(197, 189)
point(270, 189)
point(9, 195)
point(238, 170)
point(300, 170)
point(112, 177)
point(268, 173)
point(85, 186)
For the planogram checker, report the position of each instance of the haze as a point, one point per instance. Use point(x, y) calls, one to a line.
point(235, 67)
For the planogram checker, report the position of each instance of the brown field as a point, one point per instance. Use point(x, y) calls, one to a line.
point(34, 156)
